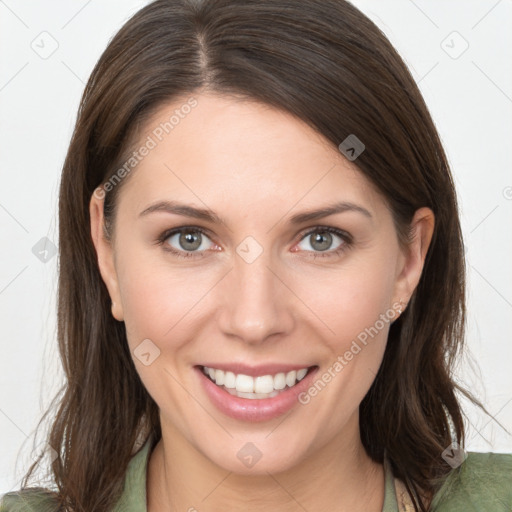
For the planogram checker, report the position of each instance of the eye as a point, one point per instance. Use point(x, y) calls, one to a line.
point(189, 241)
point(321, 239)
point(186, 242)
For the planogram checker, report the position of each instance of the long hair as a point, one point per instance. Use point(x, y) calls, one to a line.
point(326, 63)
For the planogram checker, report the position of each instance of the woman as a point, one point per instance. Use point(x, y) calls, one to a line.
point(261, 290)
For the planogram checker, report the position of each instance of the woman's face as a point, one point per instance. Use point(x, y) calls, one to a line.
point(263, 291)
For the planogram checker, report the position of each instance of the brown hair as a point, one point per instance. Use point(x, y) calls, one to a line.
point(330, 66)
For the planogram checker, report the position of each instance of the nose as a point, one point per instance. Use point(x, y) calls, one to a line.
point(256, 304)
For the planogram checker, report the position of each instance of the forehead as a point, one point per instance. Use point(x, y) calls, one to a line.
point(225, 148)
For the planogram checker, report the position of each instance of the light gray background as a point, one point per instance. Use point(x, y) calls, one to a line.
point(469, 96)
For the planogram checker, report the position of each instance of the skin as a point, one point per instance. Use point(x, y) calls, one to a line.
point(255, 166)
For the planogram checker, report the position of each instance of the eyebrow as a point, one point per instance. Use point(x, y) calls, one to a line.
point(185, 210)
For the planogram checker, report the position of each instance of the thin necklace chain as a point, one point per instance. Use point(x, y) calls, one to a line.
point(402, 497)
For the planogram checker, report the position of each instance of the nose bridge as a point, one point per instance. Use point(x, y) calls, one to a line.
point(256, 306)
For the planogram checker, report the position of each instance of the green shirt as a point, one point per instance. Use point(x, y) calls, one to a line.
point(482, 483)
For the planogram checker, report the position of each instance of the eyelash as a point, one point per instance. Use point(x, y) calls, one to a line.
point(347, 239)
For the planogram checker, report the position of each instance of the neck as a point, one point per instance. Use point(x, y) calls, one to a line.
point(339, 476)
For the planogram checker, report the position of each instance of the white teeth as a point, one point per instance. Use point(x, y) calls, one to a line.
point(301, 373)
point(219, 377)
point(252, 396)
point(244, 383)
point(263, 386)
point(229, 379)
point(291, 377)
point(280, 381)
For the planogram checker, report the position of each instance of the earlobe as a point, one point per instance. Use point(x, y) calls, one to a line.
point(105, 254)
point(422, 230)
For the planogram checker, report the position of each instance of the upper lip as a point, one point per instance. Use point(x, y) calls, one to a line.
point(255, 371)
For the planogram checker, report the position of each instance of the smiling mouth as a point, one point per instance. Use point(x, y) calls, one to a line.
point(264, 386)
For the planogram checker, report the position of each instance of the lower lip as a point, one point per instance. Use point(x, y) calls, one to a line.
point(257, 409)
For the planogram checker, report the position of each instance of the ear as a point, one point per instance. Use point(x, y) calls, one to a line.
point(105, 251)
point(410, 265)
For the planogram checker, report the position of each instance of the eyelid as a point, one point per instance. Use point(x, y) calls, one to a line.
point(329, 229)
point(172, 231)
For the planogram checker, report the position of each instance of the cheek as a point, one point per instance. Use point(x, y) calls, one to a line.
point(152, 309)
point(160, 320)
point(351, 299)
point(158, 300)
point(161, 302)
point(355, 304)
